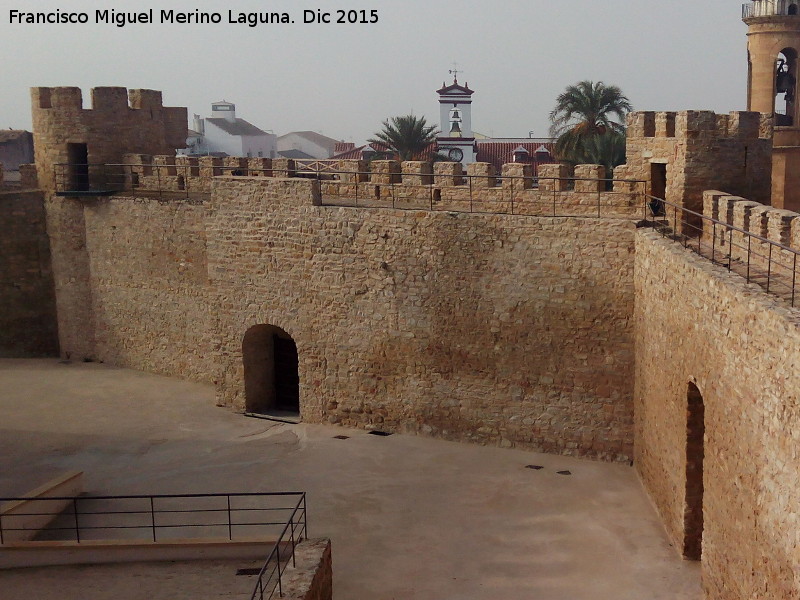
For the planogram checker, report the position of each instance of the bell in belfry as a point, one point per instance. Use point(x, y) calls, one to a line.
point(785, 81)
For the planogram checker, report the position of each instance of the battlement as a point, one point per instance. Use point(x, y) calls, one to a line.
point(691, 124)
point(103, 99)
point(554, 191)
point(119, 121)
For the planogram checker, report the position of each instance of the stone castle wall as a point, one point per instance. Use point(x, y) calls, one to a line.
point(132, 277)
point(437, 186)
point(488, 328)
point(27, 298)
point(695, 322)
point(118, 121)
point(702, 150)
point(497, 329)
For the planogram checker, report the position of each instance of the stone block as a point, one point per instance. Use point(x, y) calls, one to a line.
point(590, 178)
point(517, 176)
point(554, 178)
point(641, 124)
point(417, 172)
point(448, 174)
point(481, 175)
point(385, 172)
point(259, 167)
point(284, 167)
point(28, 177)
point(665, 124)
point(779, 227)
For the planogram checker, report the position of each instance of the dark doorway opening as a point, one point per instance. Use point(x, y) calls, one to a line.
point(695, 453)
point(271, 372)
point(658, 188)
point(78, 173)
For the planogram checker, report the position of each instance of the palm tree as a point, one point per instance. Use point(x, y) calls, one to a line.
point(408, 135)
point(584, 123)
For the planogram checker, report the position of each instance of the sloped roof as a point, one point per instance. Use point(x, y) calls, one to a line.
point(455, 88)
point(313, 136)
point(343, 147)
point(298, 154)
point(237, 127)
point(9, 135)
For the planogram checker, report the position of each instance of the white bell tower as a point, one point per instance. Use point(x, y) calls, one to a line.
point(456, 139)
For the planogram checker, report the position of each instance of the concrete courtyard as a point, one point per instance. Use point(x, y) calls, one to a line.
point(409, 517)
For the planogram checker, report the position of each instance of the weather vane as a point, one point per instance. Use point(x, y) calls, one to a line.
point(454, 71)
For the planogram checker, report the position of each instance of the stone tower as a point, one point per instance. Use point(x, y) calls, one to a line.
point(773, 46)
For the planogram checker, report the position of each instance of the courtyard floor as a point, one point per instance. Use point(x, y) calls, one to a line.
point(409, 517)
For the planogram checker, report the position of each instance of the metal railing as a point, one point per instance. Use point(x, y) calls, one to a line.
point(156, 518)
point(488, 194)
point(759, 260)
point(769, 8)
point(270, 578)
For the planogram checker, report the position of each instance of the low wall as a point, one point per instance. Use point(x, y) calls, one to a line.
point(696, 323)
point(27, 296)
point(93, 552)
point(22, 520)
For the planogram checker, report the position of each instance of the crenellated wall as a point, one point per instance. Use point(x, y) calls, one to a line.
point(411, 184)
point(702, 150)
point(118, 121)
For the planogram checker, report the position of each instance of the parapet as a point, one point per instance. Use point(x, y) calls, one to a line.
point(690, 124)
point(103, 98)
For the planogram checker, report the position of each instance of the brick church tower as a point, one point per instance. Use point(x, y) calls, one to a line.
point(773, 45)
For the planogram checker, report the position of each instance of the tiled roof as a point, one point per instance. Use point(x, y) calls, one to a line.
point(501, 152)
point(340, 147)
point(237, 127)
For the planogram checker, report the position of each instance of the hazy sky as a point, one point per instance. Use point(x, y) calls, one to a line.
point(343, 80)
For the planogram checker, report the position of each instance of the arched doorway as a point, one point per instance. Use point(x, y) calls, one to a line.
point(695, 452)
point(271, 376)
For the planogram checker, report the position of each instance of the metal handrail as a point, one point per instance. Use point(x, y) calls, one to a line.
point(297, 528)
point(774, 270)
point(172, 179)
point(84, 520)
point(767, 8)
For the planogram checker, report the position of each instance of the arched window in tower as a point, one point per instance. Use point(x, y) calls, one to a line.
point(792, 9)
point(455, 123)
point(785, 87)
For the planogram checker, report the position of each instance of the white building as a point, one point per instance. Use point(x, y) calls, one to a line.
point(311, 143)
point(224, 133)
point(456, 139)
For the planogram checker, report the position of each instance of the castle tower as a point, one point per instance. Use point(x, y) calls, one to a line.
point(773, 47)
point(456, 139)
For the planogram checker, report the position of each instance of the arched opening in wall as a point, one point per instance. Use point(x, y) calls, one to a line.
point(695, 452)
point(792, 9)
point(271, 372)
point(785, 87)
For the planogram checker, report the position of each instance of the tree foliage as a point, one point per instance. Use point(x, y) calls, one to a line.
point(588, 124)
point(407, 135)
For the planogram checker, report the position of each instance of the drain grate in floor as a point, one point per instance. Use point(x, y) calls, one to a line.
point(381, 433)
point(341, 437)
point(254, 571)
point(564, 472)
point(534, 467)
